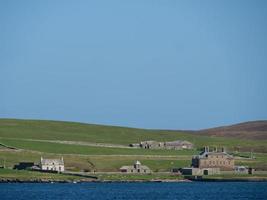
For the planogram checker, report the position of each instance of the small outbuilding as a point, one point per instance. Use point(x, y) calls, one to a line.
point(244, 170)
point(24, 165)
point(137, 167)
point(190, 171)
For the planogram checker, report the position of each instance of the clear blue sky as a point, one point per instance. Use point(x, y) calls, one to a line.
point(153, 64)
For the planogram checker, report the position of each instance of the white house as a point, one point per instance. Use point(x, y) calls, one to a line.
point(52, 164)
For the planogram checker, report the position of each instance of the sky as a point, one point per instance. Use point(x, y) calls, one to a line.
point(160, 64)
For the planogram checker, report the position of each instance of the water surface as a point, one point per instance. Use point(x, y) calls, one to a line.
point(188, 191)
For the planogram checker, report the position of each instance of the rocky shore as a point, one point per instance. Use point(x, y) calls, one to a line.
point(7, 180)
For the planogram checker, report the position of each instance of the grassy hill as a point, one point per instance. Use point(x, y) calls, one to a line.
point(255, 130)
point(71, 131)
point(31, 139)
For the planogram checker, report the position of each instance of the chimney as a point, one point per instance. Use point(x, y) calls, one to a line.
point(206, 149)
point(216, 149)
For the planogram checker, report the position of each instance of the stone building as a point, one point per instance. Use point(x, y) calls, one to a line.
point(136, 168)
point(199, 171)
point(24, 165)
point(52, 164)
point(176, 145)
point(151, 144)
point(214, 159)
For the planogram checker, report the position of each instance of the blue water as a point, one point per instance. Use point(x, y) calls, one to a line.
point(129, 191)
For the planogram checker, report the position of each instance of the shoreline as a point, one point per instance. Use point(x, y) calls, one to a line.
point(134, 181)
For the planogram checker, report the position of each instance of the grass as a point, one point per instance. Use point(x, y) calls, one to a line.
point(142, 177)
point(48, 147)
point(71, 131)
point(236, 177)
point(104, 159)
point(97, 163)
point(24, 175)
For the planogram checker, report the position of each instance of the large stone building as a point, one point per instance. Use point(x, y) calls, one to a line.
point(52, 164)
point(213, 159)
point(176, 145)
point(136, 168)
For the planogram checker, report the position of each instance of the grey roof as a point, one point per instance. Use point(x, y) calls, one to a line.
point(178, 143)
point(132, 167)
point(149, 142)
point(215, 153)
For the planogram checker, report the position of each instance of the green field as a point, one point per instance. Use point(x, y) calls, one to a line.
point(22, 133)
point(23, 175)
point(70, 131)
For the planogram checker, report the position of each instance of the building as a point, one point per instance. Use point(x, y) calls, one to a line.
point(244, 170)
point(176, 171)
point(52, 164)
point(191, 171)
point(214, 159)
point(176, 145)
point(136, 145)
point(137, 167)
point(24, 165)
point(151, 144)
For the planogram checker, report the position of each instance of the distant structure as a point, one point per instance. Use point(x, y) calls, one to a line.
point(209, 163)
point(24, 165)
point(151, 144)
point(192, 171)
point(136, 168)
point(176, 145)
point(244, 170)
point(52, 164)
point(241, 169)
point(213, 159)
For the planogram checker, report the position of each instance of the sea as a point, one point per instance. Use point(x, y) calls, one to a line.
point(133, 191)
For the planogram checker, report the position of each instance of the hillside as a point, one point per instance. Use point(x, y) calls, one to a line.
point(26, 132)
point(105, 148)
point(255, 130)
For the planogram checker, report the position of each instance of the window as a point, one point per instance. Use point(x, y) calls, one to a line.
point(138, 170)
